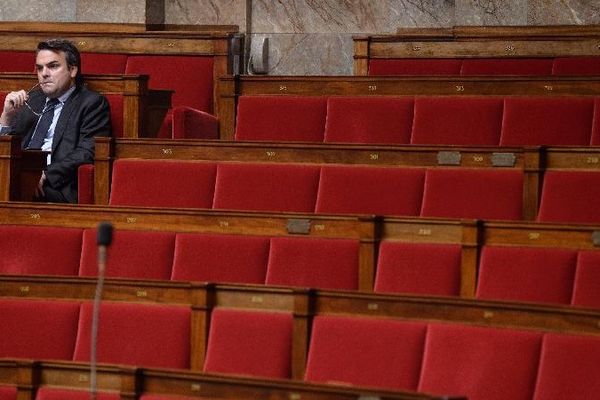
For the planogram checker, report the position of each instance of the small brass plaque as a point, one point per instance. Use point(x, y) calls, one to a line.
point(374, 156)
point(81, 43)
point(319, 227)
point(596, 238)
point(510, 48)
point(549, 87)
point(488, 314)
point(282, 88)
point(256, 299)
point(373, 306)
point(504, 159)
point(196, 387)
point(416, 48)
point(83, 378)
point(459, 88)
point(171, 44)
point(24, 289)
point(131, 220)
point(141, 293)
point(372, 88)
point(35, 216)
point(593, 160)
point(298, 226)
point(448, 158)
point(533, 235)
point(271, 154)
point(425, 232)
point(295, 396)
point(167, 151)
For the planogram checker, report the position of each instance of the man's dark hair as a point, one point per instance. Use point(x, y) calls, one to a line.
point(71, 54)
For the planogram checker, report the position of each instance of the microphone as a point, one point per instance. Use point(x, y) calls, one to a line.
point(104, 238)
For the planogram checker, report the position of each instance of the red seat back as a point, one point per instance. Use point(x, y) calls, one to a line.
point(576, 66)
point(17, 61)
point(151, 183)
point(415, 66)
point(366, 352)
point(432, 269)
point(317, 263)
point(250, 343)
point(38, 329)
point(480, 363)
point(266, 187)
point(137, 334)
point(547, 121)
point(220, 258)
point(586, 290)
point(526, 274)
point(370, 190)
point(568, 368)
point(103, 63)
point(133, 254)
point(369, 119)
point(567, 196)
point(473, 193)
point(457, 120)
point(281, 118)
point(39, 250)
point(507, 66)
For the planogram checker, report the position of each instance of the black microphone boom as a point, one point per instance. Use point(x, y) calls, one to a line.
point(105, 230)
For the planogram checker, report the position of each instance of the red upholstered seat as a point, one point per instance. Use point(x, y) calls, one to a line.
point(152, 183)
point(568, 368)
point(39, 250)
point(370, 190)
point(457, 120)
point(51, 393)
point(266, 187)
point(576, 65)
point(115, 102)
point(132, 254)
point(317, 263)
point(281, 118)
point(85, 184)
point(473, 193)
point(480, 363)
point(586, 290)
point(570, 196)
point(38, 329)
point(103, 63)
point(526, 274)
point(220, 258)
point(596, 124)
point(415, 66)
point(189, 123)
point(554, 121)
point(432, 269)
point(250, 343)
point(137, 334)
point(366, 352)
point(506, 66)
point(17, 61)
point(369, 119)
point(191, 77)
point(8, 393)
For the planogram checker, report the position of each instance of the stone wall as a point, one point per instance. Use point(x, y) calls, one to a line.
point(310, 36)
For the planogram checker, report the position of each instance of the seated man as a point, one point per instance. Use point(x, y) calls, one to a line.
point(63, 118)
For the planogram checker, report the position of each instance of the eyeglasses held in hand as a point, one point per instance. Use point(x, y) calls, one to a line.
point(44, 110)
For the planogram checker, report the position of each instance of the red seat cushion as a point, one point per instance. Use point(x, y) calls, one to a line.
point(158, 183)
point(39, 250)
point(415, 66)
point(369, 119)
point(281, 118)
point(596, 124)
point(418, 268)
point(38, 329)
point(547, 121)
point(85, 184)
point(480, 363)
point(137, 334)
point(366, 352)
point(567, 196)
point(190, 77)
point(526, 274)
point(473, 193)
point(586, 290)
point(576, 66)
point(370, 190)
point(103, 63)
point(250, 343)
point(568, 368)
point(17, 61)
point(317, 263)
point(507, 66)
point(220, 258)
point(8, 393)
point(457, 120)
point(132, 254)
point(266, 187)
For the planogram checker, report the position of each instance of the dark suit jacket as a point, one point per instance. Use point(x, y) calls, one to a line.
point(84, 115)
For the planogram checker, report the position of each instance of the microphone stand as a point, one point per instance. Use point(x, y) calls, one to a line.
point(104, 239)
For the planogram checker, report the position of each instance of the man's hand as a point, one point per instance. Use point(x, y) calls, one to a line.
point(39, 190)
point(12, 102)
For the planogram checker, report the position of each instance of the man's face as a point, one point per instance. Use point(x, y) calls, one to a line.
point(54, 75)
